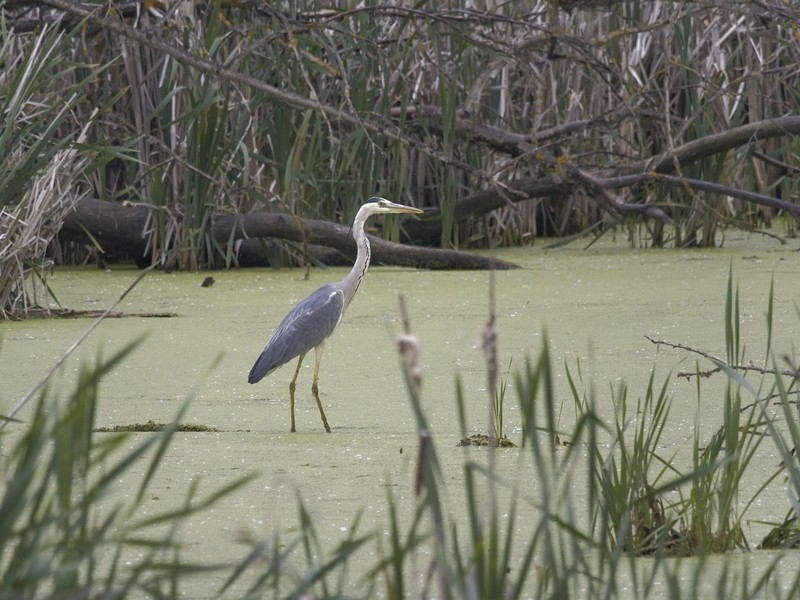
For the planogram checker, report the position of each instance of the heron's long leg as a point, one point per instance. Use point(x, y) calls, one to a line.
point(293, 384)
point(315, 387)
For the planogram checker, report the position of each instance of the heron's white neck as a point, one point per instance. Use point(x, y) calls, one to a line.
point(353, 280)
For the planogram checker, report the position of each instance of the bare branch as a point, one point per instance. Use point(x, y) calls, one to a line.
point(719, 361)
point(714, 144)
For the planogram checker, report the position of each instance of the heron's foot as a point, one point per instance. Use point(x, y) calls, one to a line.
point(324, 420)
point(315, 391)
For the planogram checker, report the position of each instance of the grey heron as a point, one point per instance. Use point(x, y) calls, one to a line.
point(312, 321)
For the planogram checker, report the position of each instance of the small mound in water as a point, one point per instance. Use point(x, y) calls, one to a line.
point(153, 426)
point(480, 439)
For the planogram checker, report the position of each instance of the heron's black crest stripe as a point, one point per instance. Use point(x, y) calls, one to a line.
point(368, 253)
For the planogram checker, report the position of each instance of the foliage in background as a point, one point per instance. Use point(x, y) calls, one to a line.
point(511, 113)
point(44, 159)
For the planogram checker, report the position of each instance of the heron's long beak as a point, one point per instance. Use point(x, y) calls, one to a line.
point(402, 208)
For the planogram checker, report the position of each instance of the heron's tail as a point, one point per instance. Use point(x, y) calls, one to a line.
point(263, 366)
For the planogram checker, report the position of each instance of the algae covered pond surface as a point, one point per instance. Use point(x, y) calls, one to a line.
point(594, 307)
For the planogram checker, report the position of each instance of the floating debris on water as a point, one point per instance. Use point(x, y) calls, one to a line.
point(480, 439)
point(153, 426)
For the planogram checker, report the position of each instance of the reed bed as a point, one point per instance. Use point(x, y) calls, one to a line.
point(510, 122)
point(43, 172)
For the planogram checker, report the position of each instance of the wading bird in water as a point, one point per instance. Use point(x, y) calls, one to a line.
point(312, 321)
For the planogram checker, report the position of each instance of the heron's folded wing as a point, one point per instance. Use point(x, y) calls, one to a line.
point(305, 327)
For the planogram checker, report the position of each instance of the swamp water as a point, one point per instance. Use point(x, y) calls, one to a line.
point(595, 306)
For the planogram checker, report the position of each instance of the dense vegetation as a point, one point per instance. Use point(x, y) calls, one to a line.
point(507, 122)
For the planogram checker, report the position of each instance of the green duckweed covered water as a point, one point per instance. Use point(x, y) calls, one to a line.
point(594, 306)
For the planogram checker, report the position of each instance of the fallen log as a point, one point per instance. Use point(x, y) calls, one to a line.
point(121, 227)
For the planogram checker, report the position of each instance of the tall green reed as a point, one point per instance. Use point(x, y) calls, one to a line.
point(63, 533)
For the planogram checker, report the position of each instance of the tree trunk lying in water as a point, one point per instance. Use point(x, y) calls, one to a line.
point(121, 226)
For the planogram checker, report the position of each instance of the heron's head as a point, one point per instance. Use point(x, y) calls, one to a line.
point(377, 205)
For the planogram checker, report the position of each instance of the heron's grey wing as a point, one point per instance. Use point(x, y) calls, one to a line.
point(305, 327)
